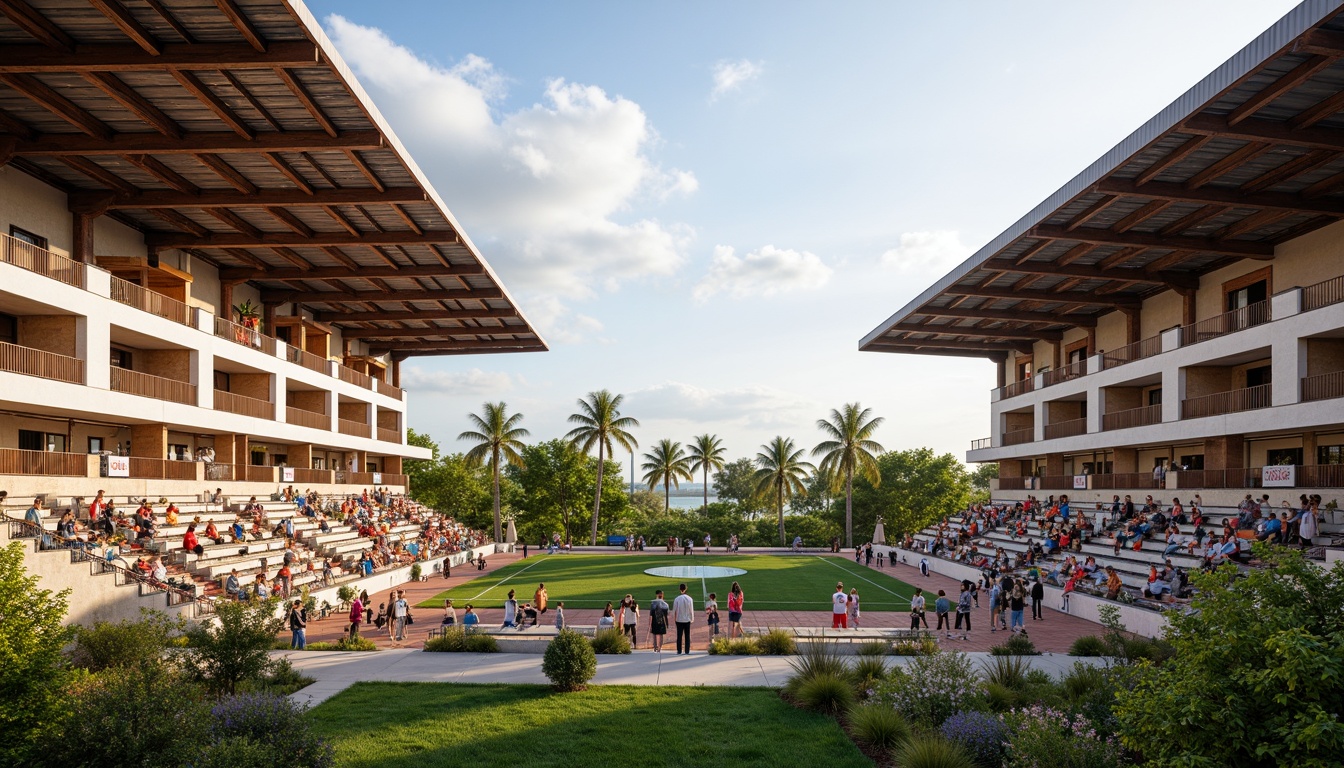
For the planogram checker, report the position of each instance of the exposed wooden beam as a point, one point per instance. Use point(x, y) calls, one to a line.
point(1319, 111)
point(227, 172)
point(1325, 186)
point(1228, 163)
point(1167, 261)
point(1032, 250)
point(964, 330)
point(1140, 215)
point(1119, 257)
point(426, 350)
point(339, 257)
point(58, 105)
point(947, 348)
point(1254, 221)
point(361, 271)
point(120, 57)
point(281, 297)
point(305, 98)
point(359, 162)
point(266, 198)
point(296, 239)
point(138, 105)
point(1131, 238)
point(1019, 316)
point(1105, 202)
point(287, 170)
point(1173, 157)
point(171, 20)
point(290, 256)
point(241, 23)
point(215, 142)
point(1287, 82)
point(1218, 195)
point(180, 221)
point(1085, 272)
point(341, 219)
point(1259, 129)
point(290, 220)
point(320, 170)
point(97, 172)
point(425, 333)
point(17, 128)
point(25, 17)
point(1322, 41)
point(425, 314)
point(129, 25)
point(1044, 296)
point(251, 99)
point(247, 258)
point(1193, 219)
point(235, 221)
point(155, 167)
point(196, 87)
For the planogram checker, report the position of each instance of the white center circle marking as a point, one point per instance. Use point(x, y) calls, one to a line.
point(694, 572)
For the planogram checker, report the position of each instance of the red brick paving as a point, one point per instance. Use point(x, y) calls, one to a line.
point(1055, 633)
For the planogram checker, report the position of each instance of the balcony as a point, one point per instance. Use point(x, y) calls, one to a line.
point(389, 435)
point(1323, 294)
point(36, 362)
point(162, 469)
point(155, 303)
point(351, 376)
point(306, 359)
point(1323, 387)
point(255, 474)
point(243, 405)
point(157, 387)
point(1068, 428)
point(388, 390)
point(1018, 388)
point(1233, 401)
point(1123, 480)
point(14, 461)
point(1019, 436)
point(982, 443)
point(1131, 352)
point(1228, 322)
point(353, 428)
point(1065, 373)
point(248, 337)
point(28, 256)
point(302, 475)
point(307, 419)
point(1132, 417)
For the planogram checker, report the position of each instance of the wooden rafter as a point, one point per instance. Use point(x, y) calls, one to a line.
point(1193, 219)
point(25, 17)
point(1322, 109)
point(155, 167)
point(320, 170)
point(1013, 315)
point(180, 221)
point(290, 220)
point(1092, 210)
point(281, 297)
point(1227, 163)
point(196, 87)
point(290, 256)
point(1295, 167)
point(1140, 215)
point(426, 314)
point(1258, 129)
point(97, 172)
point(364, 168)
point(305, 98)
point(1219, 195)
point(239, 20)
point(963, 330)
point(227, 172)
point(1287, 82)
point(120, 57)
point(1131, 238)
point(234, 220)
point(341, 219)
point(129, 25)
point(251, 100)
point(1086, 272)
point(264, 198)
point(288, 171)
point(196, 142)
point(46, 97)
point(1081, 298)
point(1173, 157)
point(368, 272)
point(340, 258)
point(138, 105)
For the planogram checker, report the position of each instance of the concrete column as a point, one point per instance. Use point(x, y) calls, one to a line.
point(93, 341)
point(1285, 303)
point(1095, 406)
point(204, 321)
point(1173, 390)
point(98, 281)
point(1171, 339)
point(1038, 421)
point(203, 376)
point(1288, 365)
point(280, 395)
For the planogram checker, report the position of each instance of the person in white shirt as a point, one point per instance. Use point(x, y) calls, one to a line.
point(400, 610)
point(917, 610)
point(683, 612)
point(510, 610)
point(839, 607)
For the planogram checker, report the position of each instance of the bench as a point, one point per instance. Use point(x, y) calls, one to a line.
point(866, 634)
point(587, 630)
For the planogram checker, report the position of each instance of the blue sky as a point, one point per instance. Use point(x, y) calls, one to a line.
point(705, 206)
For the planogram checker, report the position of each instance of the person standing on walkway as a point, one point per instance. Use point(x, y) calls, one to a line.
point(839, 607)
point(356, 616)
point(560, 615)
point(658, 621)
point(942, 606)
point(1037, 600)
point(707, 539)
point(924, 567)
point(630, 619)
point(540, 598)
point(735, 601)
point(852, 608)
point(683, 613)
point(964, 611)
point(995, 606)
point(510, 611)
point(298, 623)
point(917, 610)
point(1016, 604)
point(400, 610)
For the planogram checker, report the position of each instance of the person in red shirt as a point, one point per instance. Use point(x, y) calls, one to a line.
point(189, 541)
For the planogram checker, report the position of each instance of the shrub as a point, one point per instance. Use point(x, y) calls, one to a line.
point(344, 644)
point(1007, 671)
point(874, 648)
point(880, 728)
point(416, 570)
point(346, 593)
point(283, 680)
point(867, 672)
point(924, 646)
point(611, 641)
point(814, 660)
point(980, 735)
point(1088, 645)
point(932, 752)
point(1091, 691)
point(273, 722)
point(453, 640)
point(1017, 645)
point(569, 662)
point(223, 654)
point(934, 687)
point(235, 753)
point(777, 642)
point(1041, 735)
point(484, 644)
point(126, 643)
point(831, 694)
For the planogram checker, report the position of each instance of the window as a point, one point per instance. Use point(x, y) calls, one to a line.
point(280, 458)
point(30, 440)
point(1155, 396)
point(221, 381)
point(55, 442)
point(9, 329)
point(370, 466)
point(1256, 377)
point(121, 358)
point(319, 463)
point(1330, 454)
point(258, 458)
point(1278, 457)
point(1193, 461)
point(23, 235)
point(1244, 297)
point(282, 333)
point(1024, 370)
point(95, 445)
point(179, 452)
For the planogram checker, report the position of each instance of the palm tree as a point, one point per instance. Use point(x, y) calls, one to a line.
point(848, 450)
point(706, 453)
point(497, 436)
point(668, 464)
point(600, 423)
point(781, 472)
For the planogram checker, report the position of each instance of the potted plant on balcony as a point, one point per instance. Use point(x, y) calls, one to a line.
point(250, 319)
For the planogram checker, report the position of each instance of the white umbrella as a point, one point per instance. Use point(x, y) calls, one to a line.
point(879, 533)
point(510, 533)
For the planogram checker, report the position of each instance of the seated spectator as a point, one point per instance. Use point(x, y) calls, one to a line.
point(1113, 583)
point(232, 587)
point(1272, 531)
point(170, 515)
point(190, 543)
point(470, 619)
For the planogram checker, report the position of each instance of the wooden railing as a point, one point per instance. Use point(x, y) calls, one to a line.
point(1054, 483)
point(37, 362)
point(162, 469)
point(248, 337)
point(14, 461)
point(1019, 436)
point(302, 475)
point(1064, 373)
point(40, 260)
point(1123, 480)
point(157, 387)
point(359, 478)
point(306, 359)
point(1228, 322)
point(244, 405)
point(1323, 387)
point(982, 443)
point(1321, 476)
point(217, 471)
point(153, 302)
point(391, 478)
point(353, 428)
point(1131, 352)
point(258, 474)
point(351, 376)
point(307, 418)
point(389, 435)
point(1234, 401)
point(1323, 294)
point(388, 390)
point(1238, 477)
point(1132, 417)
point(1066, 428)
point(1017, 388)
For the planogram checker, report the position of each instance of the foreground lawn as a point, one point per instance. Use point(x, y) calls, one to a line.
point(391, 725)
point(771, 582)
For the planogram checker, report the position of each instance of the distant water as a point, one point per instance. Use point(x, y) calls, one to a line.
point(691, 502)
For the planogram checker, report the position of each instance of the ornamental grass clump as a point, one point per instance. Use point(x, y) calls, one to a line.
point(933, 687)
point(1088, 645)
point(980, 735)
point(932, 752)
point(610, 641)
point(877, 727)
point(777, 642)
point(816, 659)
point(830, 694)
point(1040, 735)
point(867, 672)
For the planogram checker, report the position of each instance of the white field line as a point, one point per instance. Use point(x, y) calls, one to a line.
point(539, 561)
point(862, 578)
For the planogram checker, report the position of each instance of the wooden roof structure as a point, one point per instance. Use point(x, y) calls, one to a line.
point(231, 129)
point(1251, 157)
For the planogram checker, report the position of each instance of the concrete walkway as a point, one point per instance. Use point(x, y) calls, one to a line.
point(335, 671)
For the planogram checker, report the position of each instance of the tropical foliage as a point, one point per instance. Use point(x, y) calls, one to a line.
point(780, 472)
point(497, 437)
point(601, 424)
point(706, 454)
point(667, 465)
point(849, 450)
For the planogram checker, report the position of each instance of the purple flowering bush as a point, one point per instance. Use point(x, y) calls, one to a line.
point(1042, 737)
point(932, 688)
point(274, 723)
point(981, 735)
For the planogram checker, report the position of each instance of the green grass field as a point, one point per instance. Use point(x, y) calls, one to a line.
point(771, 582)
point(391, 725)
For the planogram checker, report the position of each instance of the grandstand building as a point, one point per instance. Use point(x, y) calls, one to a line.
point(1172, 319)
point(212, 246)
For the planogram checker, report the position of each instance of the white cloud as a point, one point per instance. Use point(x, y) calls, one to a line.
point(763, 272)
point(473, 381)
point(759, 407)
point(543, 190)
point(563, 325)
point(730, 76)
point(922, 253)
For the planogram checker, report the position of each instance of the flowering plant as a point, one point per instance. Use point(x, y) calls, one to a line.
point(981, 735)
point(1042, 737)
point(933, 687)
